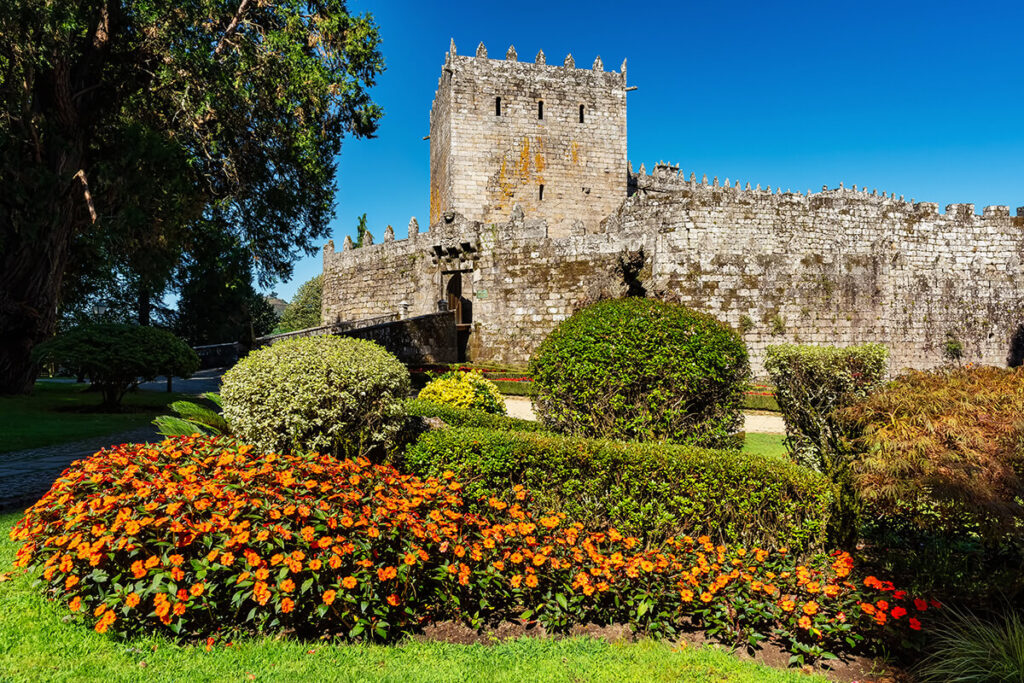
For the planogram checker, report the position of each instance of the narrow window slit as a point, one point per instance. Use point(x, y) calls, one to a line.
point(540, 109)
point(540, 194)
point(497, 106)
point(582, 108)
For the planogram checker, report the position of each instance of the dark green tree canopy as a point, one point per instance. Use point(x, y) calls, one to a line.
point(123, 121)
point(304, 309)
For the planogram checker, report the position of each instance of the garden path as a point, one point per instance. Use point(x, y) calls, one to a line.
point(27, 474)
point(754, 422)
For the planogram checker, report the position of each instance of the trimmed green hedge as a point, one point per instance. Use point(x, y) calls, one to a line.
point(462, 417)
point(642, 370)
point(649, 490)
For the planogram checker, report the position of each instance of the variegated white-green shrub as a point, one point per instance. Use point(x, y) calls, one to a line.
point(327, 394)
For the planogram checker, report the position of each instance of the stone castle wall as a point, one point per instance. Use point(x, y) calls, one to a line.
point(483, 162)
point(838, 267)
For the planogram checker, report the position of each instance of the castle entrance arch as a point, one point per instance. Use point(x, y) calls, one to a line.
point(461, 305)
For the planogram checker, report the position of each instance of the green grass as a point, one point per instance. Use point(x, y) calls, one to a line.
point(769, 445)
point(52, 414)
point(758, 402)
point(41, 642)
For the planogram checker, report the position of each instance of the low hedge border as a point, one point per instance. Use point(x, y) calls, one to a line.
point(650, 490)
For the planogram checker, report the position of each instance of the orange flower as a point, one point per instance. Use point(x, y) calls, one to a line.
point(531, 581)
point(810, 608)
point(804, 622)
point(349, 582)
point(105, 622)
point(179, 609)
point(831, 590)
point(138, 569)
point(176, 560)
point(393, 600)
point(75, 604)
point(287, 585)
point(197, 589)
point(287, 605)
point(706, 597)
point(686, 595)
point(516, 580)
point(132, 599)
point(410, 558)
point(788, 605)
point(386, 573)
point(329, 597)
point(70, 582)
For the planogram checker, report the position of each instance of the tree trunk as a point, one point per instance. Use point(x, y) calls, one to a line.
point(145, 305)
point(37, 224)
point(31, 272)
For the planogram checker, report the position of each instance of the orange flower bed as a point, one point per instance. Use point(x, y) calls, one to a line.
point(199, 535)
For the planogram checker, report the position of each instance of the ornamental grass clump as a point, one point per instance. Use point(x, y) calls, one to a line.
point(467, 390)
point(642, 370)
point(203, 537)
point(333, 395)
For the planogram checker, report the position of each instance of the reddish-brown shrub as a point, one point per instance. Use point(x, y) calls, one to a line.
point(948, 441)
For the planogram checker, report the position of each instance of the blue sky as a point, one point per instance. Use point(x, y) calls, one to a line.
point(924, 99)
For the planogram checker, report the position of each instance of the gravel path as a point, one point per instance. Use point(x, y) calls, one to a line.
point(26, 475)
point(757, 423)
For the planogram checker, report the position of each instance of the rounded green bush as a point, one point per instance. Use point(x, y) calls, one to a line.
point(468, 390)
point(335, 395)
point(642, 370)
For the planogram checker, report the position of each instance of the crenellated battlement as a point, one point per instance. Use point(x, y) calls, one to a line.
point(668, 178)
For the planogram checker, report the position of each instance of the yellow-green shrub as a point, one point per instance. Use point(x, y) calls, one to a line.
point(465, 390)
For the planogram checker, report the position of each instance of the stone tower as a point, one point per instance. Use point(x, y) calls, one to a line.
point(549, 138)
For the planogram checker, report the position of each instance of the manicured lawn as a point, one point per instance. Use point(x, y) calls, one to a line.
point(39, 641)
point(765, 444)
point(52, 415)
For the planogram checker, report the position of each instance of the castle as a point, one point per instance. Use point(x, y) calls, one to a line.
point(535, 210)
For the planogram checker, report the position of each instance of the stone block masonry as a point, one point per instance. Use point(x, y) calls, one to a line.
point(840, 266)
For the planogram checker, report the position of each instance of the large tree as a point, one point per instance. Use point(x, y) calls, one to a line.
point(123, 121)
point(304, 309)
point(218, 303)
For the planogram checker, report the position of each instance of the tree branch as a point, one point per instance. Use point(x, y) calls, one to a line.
point(232, 27)
point(88, 196)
